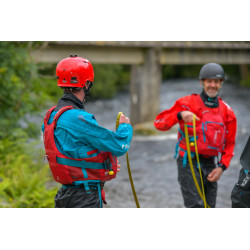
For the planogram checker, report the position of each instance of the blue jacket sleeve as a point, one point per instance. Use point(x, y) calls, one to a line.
point(84, 127)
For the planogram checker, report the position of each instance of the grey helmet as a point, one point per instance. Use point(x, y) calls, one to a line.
point(212, 71)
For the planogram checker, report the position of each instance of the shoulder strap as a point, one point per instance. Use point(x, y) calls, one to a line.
point(60, 112)
point(48, 113)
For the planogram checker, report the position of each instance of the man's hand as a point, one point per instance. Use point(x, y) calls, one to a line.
point(118, 166)
point(215, 174)
point(124, 119)
point(187, 116)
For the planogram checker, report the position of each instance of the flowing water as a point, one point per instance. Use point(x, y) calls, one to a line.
point(153, 168)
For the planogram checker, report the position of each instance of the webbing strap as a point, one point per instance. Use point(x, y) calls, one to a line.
point(185, 158)
point(49, 111)
point(178, 143)
point(80, 164)
point(60, 112)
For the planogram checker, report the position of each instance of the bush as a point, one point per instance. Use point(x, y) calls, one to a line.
point(245, 82)
point(15, 76)
point(23, 175)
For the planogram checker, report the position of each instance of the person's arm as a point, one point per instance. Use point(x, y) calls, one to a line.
point(84, 126)
point(228, 152)
point(180, 111)
point(168, 118)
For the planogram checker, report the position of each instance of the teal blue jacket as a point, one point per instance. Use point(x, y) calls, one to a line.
point(78, 132)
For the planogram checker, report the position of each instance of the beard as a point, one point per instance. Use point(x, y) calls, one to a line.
point(212, 92)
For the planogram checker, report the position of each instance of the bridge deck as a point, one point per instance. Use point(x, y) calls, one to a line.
point(162, 44)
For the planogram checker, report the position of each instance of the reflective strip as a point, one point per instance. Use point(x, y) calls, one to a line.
point(80, 164)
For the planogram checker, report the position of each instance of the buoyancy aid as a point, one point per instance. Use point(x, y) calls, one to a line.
point(210, 129)
point(100, 166)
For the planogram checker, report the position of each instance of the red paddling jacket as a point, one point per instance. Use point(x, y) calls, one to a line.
point(215, 131)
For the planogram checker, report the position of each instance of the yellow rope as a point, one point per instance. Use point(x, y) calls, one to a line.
point(202, 195)
point(198, 160)
point(128, 165)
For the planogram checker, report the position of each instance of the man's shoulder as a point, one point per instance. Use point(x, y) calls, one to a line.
point(225, 104)
point(76, 116)
point(229, 111)
point(188, 98)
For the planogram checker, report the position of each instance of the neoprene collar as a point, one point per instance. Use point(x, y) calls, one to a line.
point(208, 101)
point(69, 99)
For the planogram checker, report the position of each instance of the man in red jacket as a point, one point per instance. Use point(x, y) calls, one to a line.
point(215, 135)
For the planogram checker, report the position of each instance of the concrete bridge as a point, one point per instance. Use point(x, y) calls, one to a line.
point(146, 59)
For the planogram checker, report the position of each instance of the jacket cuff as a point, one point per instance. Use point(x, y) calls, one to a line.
point(179, 116)
point(220, 165)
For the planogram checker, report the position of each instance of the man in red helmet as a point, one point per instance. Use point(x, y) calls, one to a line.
point(81, 154)
point(215, 135)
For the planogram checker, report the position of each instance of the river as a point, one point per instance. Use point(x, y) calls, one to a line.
point(153, 168)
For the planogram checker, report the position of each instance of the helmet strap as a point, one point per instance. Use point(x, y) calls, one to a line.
point(87, 90)
point(202, 83)
point(221, 84)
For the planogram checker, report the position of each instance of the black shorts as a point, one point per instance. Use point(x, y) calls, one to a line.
point(77, 197)
point(189, 191)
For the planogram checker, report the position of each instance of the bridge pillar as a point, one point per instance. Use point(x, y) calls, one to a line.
point(145, 85)
point(244, 71)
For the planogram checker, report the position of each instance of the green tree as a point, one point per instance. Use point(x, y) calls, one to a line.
point(16, 71)
point(23, 176)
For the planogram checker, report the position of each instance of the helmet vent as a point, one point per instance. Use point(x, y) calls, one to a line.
point(74, 80)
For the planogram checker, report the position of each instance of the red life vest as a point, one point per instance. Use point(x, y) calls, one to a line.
point(66, 170)
point(210, 129)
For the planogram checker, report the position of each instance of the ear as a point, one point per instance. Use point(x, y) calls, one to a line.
point(221, 84)
point(202, 84)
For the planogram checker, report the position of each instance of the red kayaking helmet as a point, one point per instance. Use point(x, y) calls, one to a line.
point(74, 72)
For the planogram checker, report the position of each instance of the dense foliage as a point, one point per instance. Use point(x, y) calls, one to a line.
point(24, 179)
point(23, 175)
point(15, 78)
